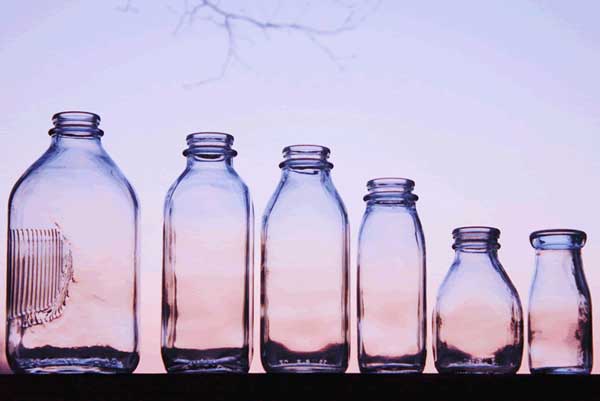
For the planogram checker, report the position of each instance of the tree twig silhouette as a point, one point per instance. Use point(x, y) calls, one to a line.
point(354, 12)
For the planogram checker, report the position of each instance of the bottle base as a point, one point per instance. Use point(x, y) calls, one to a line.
point(482, 369)
point(46, 360)
point(277, 358)
point(221, 360)
point(391, 368)
point(304, 368)
point(565, 370)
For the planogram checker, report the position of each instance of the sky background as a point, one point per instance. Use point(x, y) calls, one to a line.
point(491, 107)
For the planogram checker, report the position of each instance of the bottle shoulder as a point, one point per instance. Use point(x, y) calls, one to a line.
point(198, 187)
point(318, 199)
point(486, 282)
point(57, 172)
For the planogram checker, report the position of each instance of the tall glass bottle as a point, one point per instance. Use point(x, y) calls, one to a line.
point(391, 280)
point(304, 275)
point(207, 264)
point(73, 258)
point(560, 307)
point(478, 319)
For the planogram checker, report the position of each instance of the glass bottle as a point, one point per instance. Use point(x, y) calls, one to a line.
point(560, 307)
point(477, 319)
point(304, 275)
point(207, 264)
point(73, 256)
point(391, 280)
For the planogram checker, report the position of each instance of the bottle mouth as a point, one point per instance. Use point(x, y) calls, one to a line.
point(306, 156)
point(210, 145)
point(476, 238)
point(76, 123)
point(390, 190)
point(561, 238)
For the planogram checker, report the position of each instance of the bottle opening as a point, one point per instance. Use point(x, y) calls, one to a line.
point(76, 123)
point(476, 238)
point(390, 190)
point(306, 156)
point(558, 239)
point(210, 145)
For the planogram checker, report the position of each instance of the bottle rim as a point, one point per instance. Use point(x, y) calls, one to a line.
point(306, 156)
point(488, 231)
point(476, 238)
point(209, 143)
point(76, 123)
point(390, 190)
point(558, 238)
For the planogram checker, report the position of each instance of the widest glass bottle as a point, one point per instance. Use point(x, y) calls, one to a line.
point(304, 275)
point(560, 307)
point(478, 319)
point(391, 280)
point(73, 258)
point(207, 264)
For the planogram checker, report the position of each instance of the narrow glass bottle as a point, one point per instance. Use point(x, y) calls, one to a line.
point(560, 307)
point(391, 280)
point(304, 275)
point(477, 319)
point(207, 264)
point(73, 258)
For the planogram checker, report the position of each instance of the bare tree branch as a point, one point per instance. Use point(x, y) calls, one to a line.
point(128, 7)
point(354, 13)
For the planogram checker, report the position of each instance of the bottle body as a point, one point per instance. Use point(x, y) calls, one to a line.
point(391, 281)
point(304, 272)
point(73, 258)
point(478, 318)
point(560, 306)
point(207, 263)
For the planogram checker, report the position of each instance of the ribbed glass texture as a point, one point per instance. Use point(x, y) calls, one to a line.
point(560, 307)
point(477, 319)
point(207, 265)
point(391, 280)
point(73, 258)
point(304, 275)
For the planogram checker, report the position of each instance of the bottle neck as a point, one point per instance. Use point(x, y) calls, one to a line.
point(558, 250)
point(386, 192)
point(76, 131)
point(476, 240)
point(202, 162)
point(76, 143)
point(306, 161)
point(209, 150)
point(558, 259)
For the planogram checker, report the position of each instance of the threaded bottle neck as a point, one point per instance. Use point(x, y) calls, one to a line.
point(306, 157)
point(476, 239)
point(76, 124)
point(390, 190)
point(209, 146)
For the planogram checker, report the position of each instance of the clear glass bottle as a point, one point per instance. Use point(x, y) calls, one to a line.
point(391, 280)
point(207, 264)
point(477, 319)
point(560, 307)
point(304, 275)
point(73, 252)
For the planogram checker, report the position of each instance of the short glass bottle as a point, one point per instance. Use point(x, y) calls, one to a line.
point(560, 306)
point(207, 264)
point(73, 258)
point(391, 280)
point(478, 318)
point(304, 275)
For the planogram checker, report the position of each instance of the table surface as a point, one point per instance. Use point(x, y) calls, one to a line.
point(309, 387)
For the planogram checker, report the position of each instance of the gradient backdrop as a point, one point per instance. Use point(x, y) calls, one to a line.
point(491, 107)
